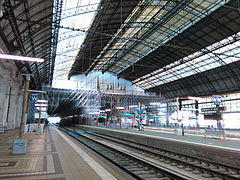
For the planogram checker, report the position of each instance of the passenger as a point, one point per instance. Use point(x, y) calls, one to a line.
point(141, 127)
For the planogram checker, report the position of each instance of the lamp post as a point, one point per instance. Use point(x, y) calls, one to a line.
point(24, 109)
point(177, 108)
point(39, 119)
point(20, 145)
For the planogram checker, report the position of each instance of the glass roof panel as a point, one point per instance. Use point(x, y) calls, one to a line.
point(76, 19)
point(179, 22)
point(222, 53)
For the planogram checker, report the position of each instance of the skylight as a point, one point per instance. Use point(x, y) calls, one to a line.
point(76, 19)
point(157, 24)
point(218, 54)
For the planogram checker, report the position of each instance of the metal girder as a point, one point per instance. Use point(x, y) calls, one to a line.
point(78, 13)
point(31, 39)
point(115, 38)
point(235, 77)
point(89, 100)
point(68, 50)
point(33, 6)
point(10, 46)
point(31, 20)
point(229, 72)
point(14, 26)
point(71, 36)
point(55, 31)
point(158, 24)
point(92, 30)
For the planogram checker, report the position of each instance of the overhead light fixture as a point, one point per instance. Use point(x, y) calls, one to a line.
point(119, 107)
point(42, 101)
point(102, 111)
point(20, 58)
point(42, 108)
point(107, 110)
point(41, 105)
point(133, 106)
point(193, 98)
point(36, 91)
point(154, 103)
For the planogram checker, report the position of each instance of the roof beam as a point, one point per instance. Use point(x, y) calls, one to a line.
point(26, 7)
point(12, 20)
point(158, 24)
point(55, 29)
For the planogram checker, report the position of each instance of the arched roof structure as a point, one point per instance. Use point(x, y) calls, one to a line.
point(30, 28)
point(173, 48)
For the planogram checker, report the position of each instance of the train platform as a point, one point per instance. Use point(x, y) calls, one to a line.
point(232, 141)
point(226, 152)
point(190, 136)
point(51, 155)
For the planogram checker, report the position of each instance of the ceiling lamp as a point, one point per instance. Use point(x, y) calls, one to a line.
point(20, 58)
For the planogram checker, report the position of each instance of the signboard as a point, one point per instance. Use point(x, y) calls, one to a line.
point(140, 112)
point(152, 110)
point(217, 100)
point(44, 115)
point(213, 116)
point(19, 146)
point(150, 117)
point(213, 109)
point(34, 98)
point(127, 114)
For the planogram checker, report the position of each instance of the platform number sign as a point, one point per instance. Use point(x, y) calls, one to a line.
point(34, 98)
point(216, 100)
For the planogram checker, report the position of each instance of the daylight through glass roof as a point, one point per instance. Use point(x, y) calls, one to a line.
point(157, 24)
point(76, 18)
point(216, 55)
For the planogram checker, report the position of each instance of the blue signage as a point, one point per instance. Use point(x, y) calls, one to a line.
point(216, 100)
point(34, 98)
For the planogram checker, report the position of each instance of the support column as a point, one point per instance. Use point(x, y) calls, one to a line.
point(24, 110)
point(12, 107)
point(19, 108)
point(3, 83)
point(4, 86)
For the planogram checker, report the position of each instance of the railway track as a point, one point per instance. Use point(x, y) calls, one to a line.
point(145, 162)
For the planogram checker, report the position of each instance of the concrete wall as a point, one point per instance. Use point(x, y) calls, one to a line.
point(11, 96)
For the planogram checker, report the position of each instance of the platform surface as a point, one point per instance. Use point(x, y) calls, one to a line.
point(195, 137)
point(51, 155)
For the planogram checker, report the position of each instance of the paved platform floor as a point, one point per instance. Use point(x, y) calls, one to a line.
point(51, 155)
point(229, 143)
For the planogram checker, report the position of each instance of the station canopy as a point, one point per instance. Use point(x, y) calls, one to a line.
point(173, 48)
